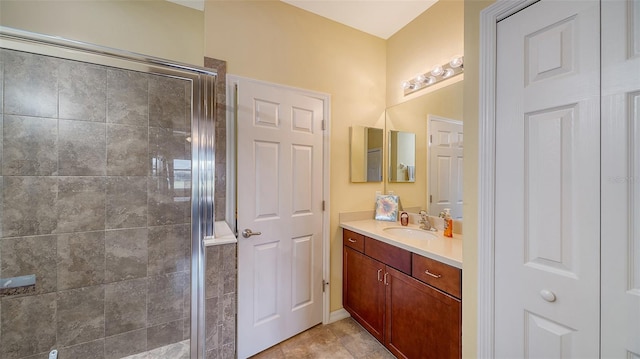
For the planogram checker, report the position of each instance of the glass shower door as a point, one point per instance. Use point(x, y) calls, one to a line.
point(95, 202)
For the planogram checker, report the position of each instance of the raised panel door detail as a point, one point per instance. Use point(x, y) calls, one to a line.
point(546, 339)
point(266, 113)
point(267, 164)
point(548, 190)
point(302, 120)
point(547, 201)
point(302, 167)
point(459, 181)
point(549, 52)
point(444, 139)
point(443, 190)
point(445, 161)
point(265, 282)
point(302, 272)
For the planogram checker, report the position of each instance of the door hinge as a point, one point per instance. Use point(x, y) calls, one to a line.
point(324, 285)
point(430, 139)
point(323, 205)
point(430, 199)
point(322, 123)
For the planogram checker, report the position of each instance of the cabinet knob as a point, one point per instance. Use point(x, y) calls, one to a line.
point(351, 240)
point(548, 295)
point(379, 272)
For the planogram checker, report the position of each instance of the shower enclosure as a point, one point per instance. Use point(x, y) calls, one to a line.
point(106, 190)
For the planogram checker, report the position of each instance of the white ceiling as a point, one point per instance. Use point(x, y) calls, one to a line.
point(381, 18)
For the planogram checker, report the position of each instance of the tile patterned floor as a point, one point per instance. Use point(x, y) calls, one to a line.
point(344, 339)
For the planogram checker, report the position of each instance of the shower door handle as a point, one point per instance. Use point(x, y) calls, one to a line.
point(248, 233)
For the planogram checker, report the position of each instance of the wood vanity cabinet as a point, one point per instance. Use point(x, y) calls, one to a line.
point(385, 290)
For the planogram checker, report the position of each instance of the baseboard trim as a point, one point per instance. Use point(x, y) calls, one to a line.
point(338, 315)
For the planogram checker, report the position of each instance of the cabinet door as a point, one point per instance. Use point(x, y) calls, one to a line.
point(421, 322)
point(363, 291)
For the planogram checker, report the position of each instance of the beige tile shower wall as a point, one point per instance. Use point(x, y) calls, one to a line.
point(94, 205)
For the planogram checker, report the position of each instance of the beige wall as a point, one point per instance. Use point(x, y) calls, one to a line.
point(431, 39)
point(472, 10)
point(276, 42)
point(156, 27)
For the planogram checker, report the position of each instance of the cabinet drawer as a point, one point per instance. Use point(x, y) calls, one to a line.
point(353, 240)
point(393, 256)
point(442, 276)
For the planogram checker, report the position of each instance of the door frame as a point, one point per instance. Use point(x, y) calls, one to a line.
point(489, 18)
point(232, 102)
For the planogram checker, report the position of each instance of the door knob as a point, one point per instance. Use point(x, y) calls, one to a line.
point(248, 233)
point(548, 295)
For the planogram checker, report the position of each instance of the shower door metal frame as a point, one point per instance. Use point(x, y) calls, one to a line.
point(202, 140)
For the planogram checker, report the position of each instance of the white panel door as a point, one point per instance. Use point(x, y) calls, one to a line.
point(280, 196)
point(621, 179)
point(445, 165)
point(547, 216)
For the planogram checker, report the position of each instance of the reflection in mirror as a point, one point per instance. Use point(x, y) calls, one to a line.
point(366, 154)
point(402, 156)
point(411, 116)
point(444, 165)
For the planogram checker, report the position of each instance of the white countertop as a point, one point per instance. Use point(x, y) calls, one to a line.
point(443, 249)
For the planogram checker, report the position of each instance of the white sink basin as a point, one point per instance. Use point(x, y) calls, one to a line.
point(412, 233)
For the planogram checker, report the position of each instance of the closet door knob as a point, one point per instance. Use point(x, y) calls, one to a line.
point(548, 295)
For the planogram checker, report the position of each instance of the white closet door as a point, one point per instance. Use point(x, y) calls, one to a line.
point(547, 218)
point(621, 179)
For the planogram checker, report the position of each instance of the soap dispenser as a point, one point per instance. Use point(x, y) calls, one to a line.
point(448, 223)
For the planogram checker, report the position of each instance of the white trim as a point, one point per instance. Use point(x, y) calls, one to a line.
point(489, 18)
point(338, 315)
point(231, 199)
point(232, 80)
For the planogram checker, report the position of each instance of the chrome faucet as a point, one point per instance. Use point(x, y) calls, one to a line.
point(424, 221)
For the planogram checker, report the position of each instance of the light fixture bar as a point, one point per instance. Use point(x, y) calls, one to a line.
point(436, 75)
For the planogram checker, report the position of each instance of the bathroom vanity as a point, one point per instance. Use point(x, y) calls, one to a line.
point(403, 285)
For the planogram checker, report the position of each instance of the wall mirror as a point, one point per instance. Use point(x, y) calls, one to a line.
point(413, 116)
point(366, 151)
point(402, 156)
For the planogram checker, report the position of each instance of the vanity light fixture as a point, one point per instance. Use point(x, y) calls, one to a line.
point(437, 74)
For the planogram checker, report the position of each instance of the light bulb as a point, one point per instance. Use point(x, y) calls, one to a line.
point(437, 71)
point(447, 73)
point(431, 80)
point(406, 85)
point(457, 61)
point(420, 78)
